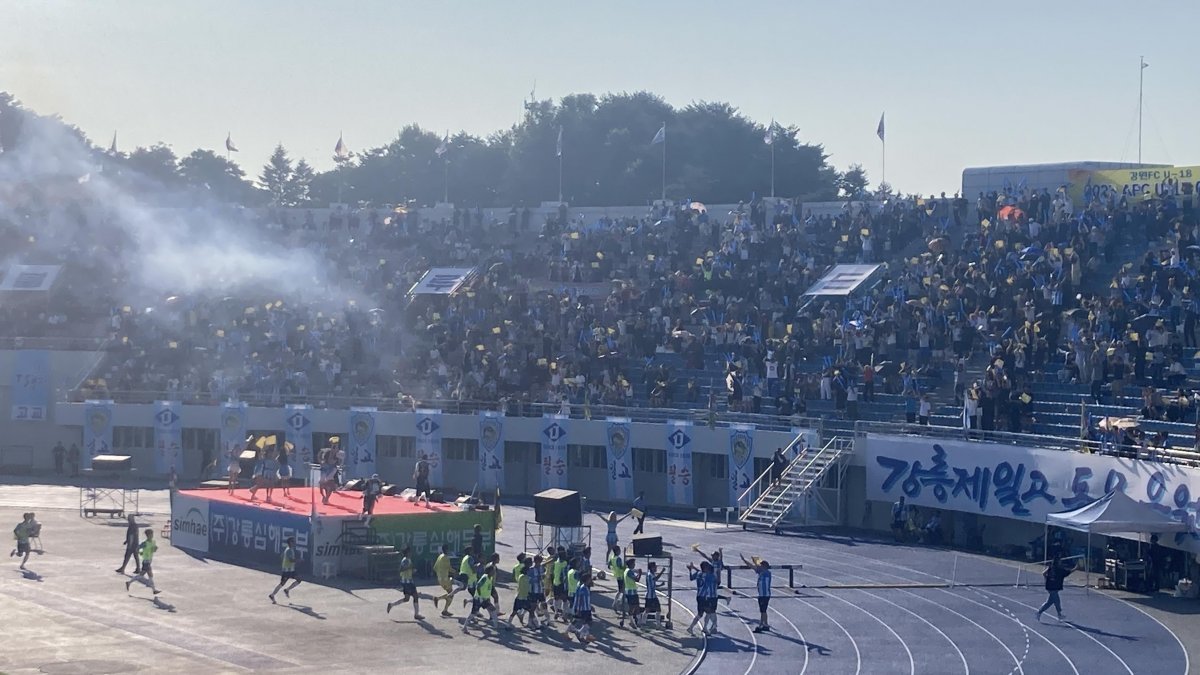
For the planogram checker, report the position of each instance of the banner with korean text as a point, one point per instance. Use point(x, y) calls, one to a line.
point(554, 451)
point(679, 463)
point(620, 470)
point(29, 393)
point(429, 443)
point(168, 437)
point(1022, 483)
point(233, 431)
point(360, 458)
point(97, 430)
point(741, 460)
point(491, 450)
point(297, 430)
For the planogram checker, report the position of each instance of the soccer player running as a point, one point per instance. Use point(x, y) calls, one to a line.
point(467, 576)
point(582, 608)
point(616, 566)
point(22, 533)
point(407, 587)
point(536, 572)
point(706, 598)
point(441, 569)
point(146, 576)
point(631, 593)
point(482, 600)
point(522, 604)
point(288, 573)
point(763, 570)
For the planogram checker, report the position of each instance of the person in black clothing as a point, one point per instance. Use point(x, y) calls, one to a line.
point(131, 548)
point(1055, 572)
point(60, 456)
point(640, 505)
point(778, 464)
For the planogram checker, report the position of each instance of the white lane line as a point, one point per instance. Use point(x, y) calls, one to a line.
point(996, 595)
point(993, 609)
point(798, 633)
point(1003, 611)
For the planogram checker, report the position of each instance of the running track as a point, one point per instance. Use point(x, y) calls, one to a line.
point(985, 628)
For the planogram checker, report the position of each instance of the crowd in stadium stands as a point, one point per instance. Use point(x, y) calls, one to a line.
point(574, 311)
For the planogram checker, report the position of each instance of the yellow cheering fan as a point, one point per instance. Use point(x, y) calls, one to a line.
point(636, 513)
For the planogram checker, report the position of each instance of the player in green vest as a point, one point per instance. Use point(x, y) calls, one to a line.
point(482, 599)
point(616, 566)
point(631, 593)
point(558, 581)
point(148, 549)
point(406, 585)
point(521, 604)
point(287, 570)
point(573, 575)
point(465, 581)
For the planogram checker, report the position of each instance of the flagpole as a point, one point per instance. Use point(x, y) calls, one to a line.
point(559, 177)
point(664, 163)
point(772, 164)
point(1141, 78)
point(445, 180)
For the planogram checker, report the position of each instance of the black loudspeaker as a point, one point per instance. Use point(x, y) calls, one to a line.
point(436, 496)
point(112, 463)
point(391, 490)
point(647, 544)
point(355, 485)
point(560, 508)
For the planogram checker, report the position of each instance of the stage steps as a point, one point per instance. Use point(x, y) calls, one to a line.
point(382, 560)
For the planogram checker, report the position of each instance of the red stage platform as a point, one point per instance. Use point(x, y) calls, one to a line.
point(300, 502)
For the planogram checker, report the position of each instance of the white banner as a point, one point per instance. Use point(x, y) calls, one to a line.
point(233, 431)
point(741, 459)
point(297, 430)
point(554, 451)
point(620, 466)
point(679, 463)
point(189, 523)
point(360, 458)
point(429, 443)
point(97, 430)
point(168, 437)
point(491, 450)
point(1008, 481)
point(441, 281)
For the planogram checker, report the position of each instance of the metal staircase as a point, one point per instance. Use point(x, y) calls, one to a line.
point(813, 479)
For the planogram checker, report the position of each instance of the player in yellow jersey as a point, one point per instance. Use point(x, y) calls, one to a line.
point(441, 569)
point(406, 585)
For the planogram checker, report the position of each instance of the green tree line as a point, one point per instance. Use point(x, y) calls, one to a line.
point(713, 153)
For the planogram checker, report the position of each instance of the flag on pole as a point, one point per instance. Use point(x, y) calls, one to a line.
point(445, 145)
point(661, 136)
point(558, 145)
point(113, 147)
point(229, 146)
point(339, 150)
point(1144, 64)
point(879, 129)
point(769, 137)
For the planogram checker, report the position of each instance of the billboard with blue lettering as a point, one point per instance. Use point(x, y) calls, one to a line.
point(1008, 481)
point(256, 537)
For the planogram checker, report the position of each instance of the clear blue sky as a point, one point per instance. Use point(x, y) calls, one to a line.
point(963, 83)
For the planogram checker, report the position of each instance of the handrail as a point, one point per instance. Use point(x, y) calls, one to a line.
point(765, 475)
point(835, 445)
point(698, 416)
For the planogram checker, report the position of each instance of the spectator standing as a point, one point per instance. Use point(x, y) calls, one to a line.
point(60, 455)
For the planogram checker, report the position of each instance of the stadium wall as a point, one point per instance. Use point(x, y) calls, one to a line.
point(29, 381)
point(522, 437)
point(1031, 176)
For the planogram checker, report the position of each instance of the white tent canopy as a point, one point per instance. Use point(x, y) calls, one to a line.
point(1118, 515)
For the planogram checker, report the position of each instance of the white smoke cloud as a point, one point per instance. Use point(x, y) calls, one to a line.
point(167, 241)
